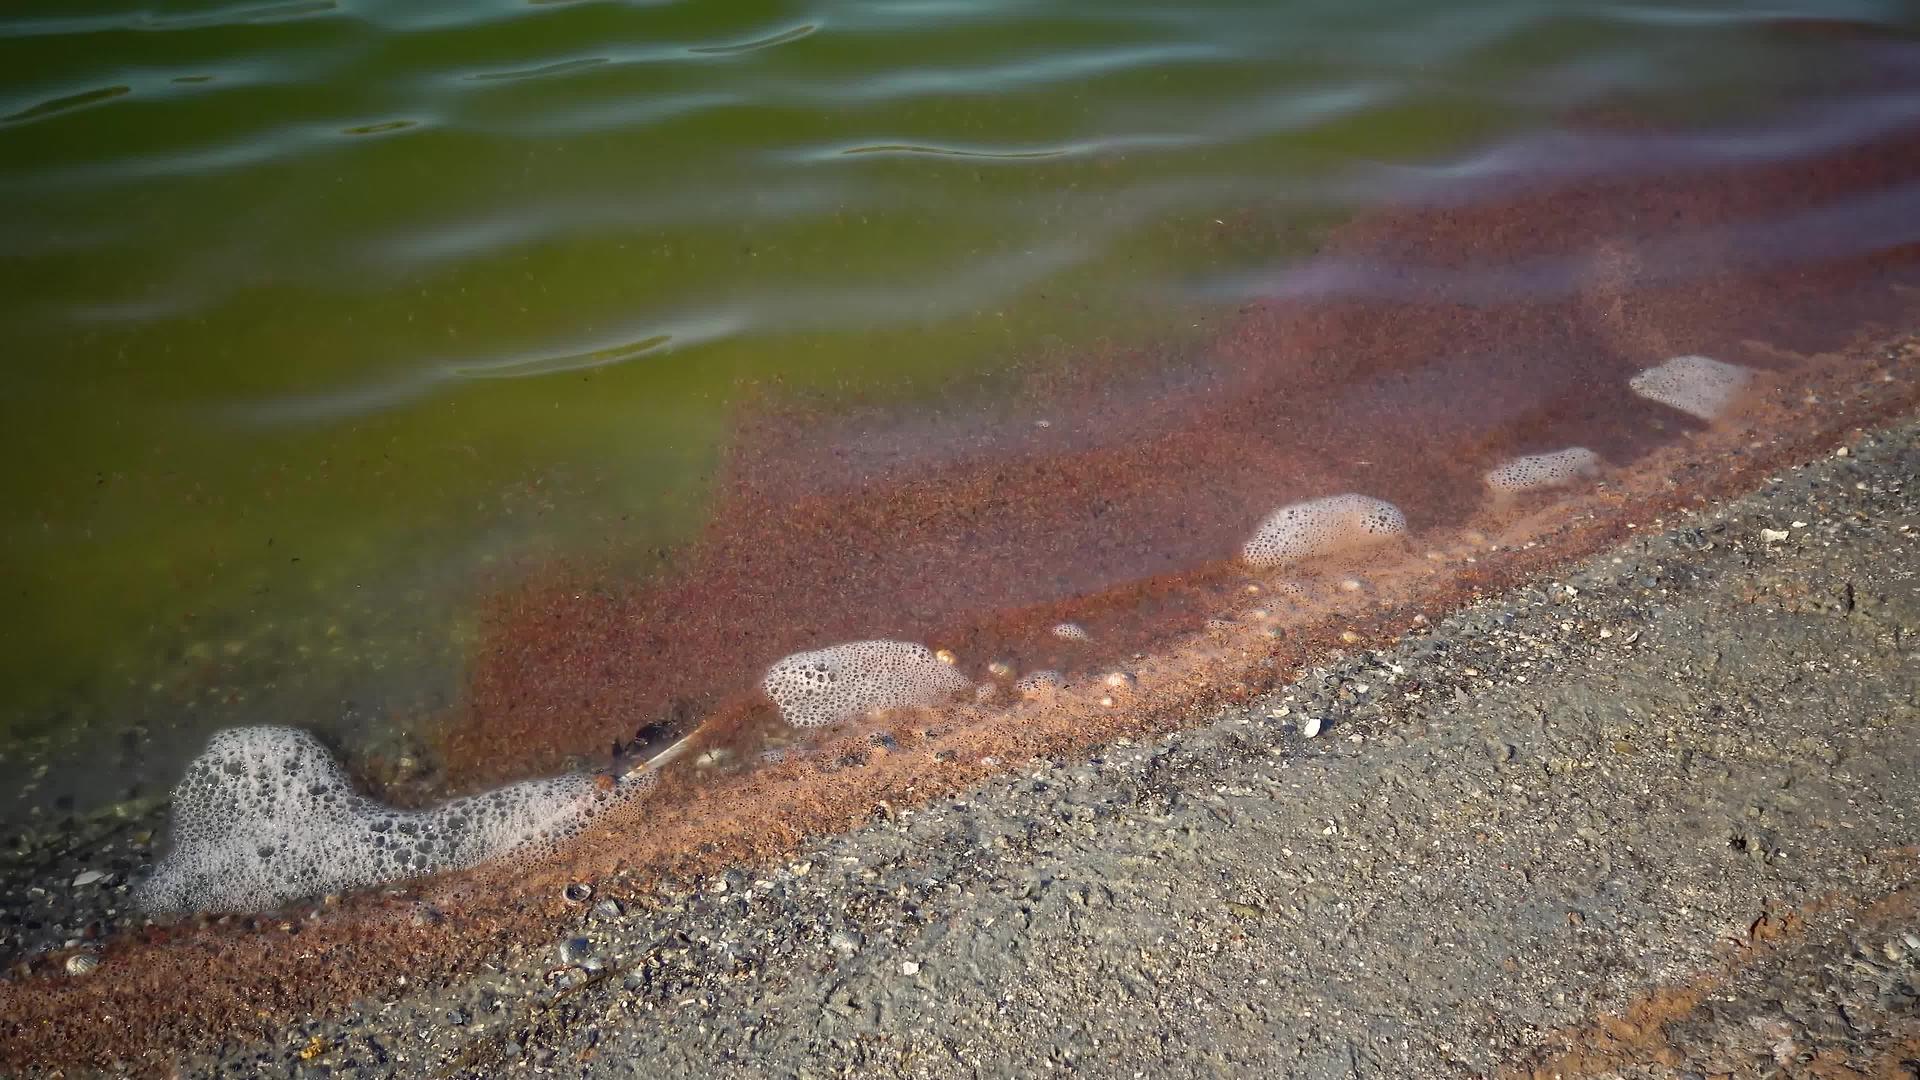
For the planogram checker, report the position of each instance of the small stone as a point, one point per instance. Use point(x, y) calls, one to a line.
point(846, 942)
point(910, 967)
point(608, 909)
point(1310, 727)
point(88, 877)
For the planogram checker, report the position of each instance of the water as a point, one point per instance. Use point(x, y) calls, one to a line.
point(327, 322)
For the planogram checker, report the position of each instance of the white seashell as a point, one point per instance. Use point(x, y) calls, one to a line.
point(1310, 726)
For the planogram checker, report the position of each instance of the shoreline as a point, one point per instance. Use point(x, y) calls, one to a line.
point(1681, 769)
point(1832, 353)
point(678, 958)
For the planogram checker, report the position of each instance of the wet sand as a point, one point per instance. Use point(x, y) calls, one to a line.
point(1121, 513)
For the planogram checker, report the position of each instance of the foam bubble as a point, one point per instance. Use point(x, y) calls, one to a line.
point(1697, 385)
point(842, 682)
point(1537, 472)
point(1323, 526)
point(1038, 683)
point(266, 815)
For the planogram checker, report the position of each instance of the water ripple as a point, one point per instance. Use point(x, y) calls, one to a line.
point(768, 42)
point(563, 67)
point(66, 103)
point(1863, 225)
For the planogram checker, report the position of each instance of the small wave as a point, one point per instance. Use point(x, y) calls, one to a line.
point(1550, 157)
point(563, 362)
point(1864, 225)
point(993, 78)
point(68, 103)
point(836, 308)
point(395, 391)
point(785, 36)
point(507, 226)
point(380, 128)
point(951, 151)
point(1084, 148)
point(564, 67)
point(150, 22)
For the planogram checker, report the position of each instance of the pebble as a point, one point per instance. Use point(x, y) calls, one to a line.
point(910, 967)
point(1310, 727)
point(88, 877)
point(608, 909)
point(847, 942)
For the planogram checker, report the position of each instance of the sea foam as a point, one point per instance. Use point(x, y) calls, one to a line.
point(1323, 526)
point(1538, 472)
point(266, 816)
point(1697, 385)
point(843, 682)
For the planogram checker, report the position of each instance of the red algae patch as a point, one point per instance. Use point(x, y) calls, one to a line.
point(1124, 515)
point(1117, 495)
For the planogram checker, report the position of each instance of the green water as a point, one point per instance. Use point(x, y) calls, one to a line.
point(317, 311)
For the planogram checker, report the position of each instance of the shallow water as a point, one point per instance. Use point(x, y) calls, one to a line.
point(331, 323)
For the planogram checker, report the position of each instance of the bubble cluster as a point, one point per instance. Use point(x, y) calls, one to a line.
point(265, 815)
point(1038, 683)
point(1538, 472)
point(1323, 526)
point(1696, 385)
point(842, 682)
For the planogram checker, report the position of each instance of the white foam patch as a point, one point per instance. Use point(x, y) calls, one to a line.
point(1697, 385)
point(1037, 683)
point(1323, 526)
point(1538, 472)
point(266, 816)
point(842, 682)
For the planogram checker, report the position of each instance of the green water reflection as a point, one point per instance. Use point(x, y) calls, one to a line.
point(318, 310)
